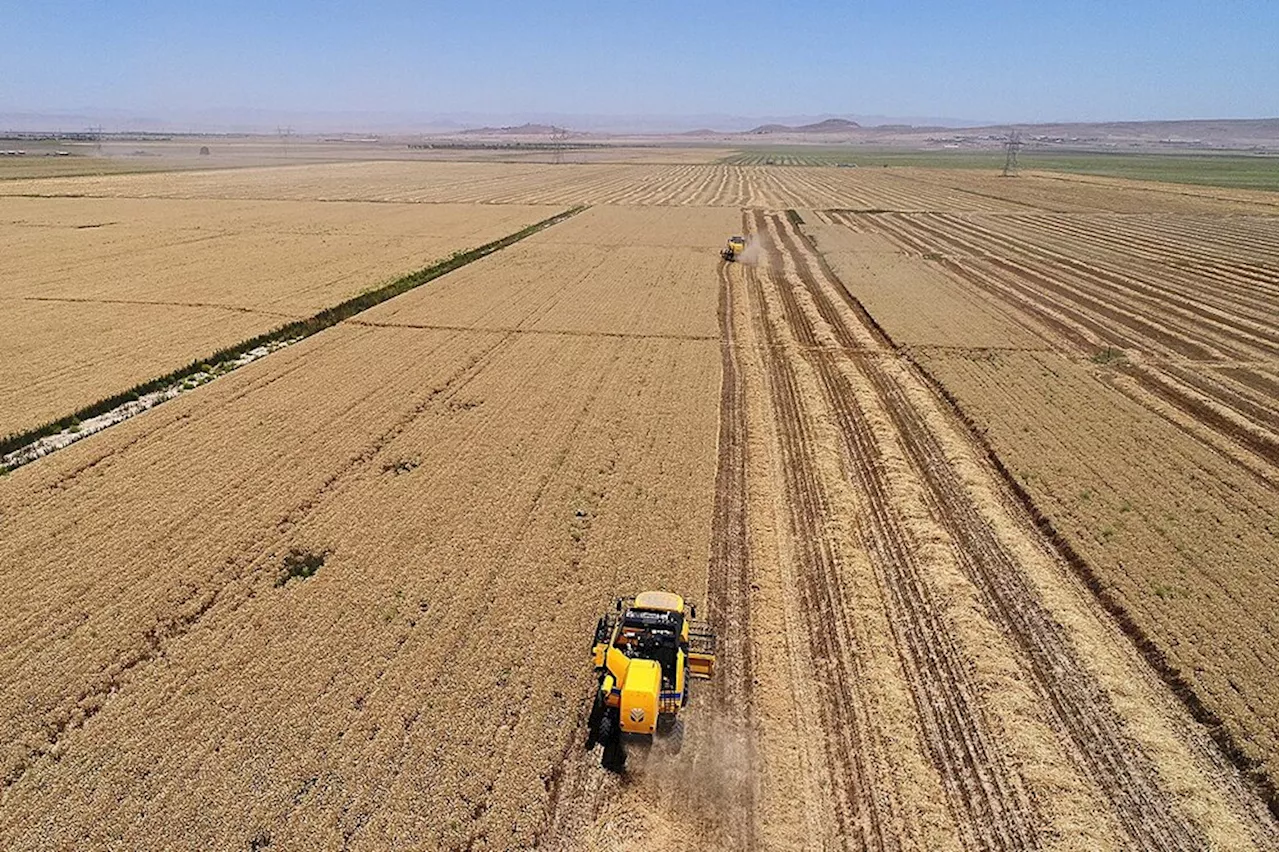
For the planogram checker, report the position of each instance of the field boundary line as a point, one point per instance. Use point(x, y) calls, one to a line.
point(555, 332)
point(178, 169)
point(159, 303)
point(1162, 186)
point(281, 336)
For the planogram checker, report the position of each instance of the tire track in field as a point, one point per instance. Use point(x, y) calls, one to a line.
point(1071, 327)
point(577, 788)
point(1163, 384)
point(1265, 386)
point(1153, 265)
point(986, 795)
point(830, 634)
point(702, 786)
point(729, 568)
point(1248, 254)
point(1078, 704)
point(1181, 307)
point(1167, 386)
point(1241, 285)
point(857, 811)
point(162, 304)
point(1039, 281)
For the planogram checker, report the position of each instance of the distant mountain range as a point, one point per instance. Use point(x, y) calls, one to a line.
point(220, 120)
point(1235, 134)
point(1243, 134)
point(830, 125)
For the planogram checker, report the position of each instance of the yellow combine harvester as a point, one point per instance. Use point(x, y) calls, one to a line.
point(735, 247)
point(645, 653)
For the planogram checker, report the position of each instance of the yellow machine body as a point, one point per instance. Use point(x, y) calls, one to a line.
point(645, 652)
point(638, 710)
point(701, 666)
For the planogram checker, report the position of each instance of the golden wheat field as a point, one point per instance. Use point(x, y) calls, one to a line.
point(143, 286)
point(975, 480)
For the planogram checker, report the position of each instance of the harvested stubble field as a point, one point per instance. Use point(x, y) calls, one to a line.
point(143, 286)
point(498, 183)
point(826, 447)
point(671, 184)
point(1123, 368)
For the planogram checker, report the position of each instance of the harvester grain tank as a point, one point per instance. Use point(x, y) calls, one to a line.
point(645, 653)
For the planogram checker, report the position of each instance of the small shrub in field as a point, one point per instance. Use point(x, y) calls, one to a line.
point(300, 564)
point(1108, 356)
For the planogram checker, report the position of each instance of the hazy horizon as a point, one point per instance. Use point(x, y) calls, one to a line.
point(959, 64)
point(221, 121)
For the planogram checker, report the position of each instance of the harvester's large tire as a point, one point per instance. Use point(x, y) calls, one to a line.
point(674, 740)
point(596, 720)
point(614, 758)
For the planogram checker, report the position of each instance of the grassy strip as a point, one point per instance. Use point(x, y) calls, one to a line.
point(1230, 170)
point(291, 331)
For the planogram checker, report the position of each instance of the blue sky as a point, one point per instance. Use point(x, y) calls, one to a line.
point(1002, 61)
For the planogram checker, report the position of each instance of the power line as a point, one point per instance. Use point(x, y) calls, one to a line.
point(1011, 154)
point(284, 133)
point(558, 137)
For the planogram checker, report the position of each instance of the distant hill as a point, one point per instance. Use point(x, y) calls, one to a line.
point(522, 130)
point(831, 125)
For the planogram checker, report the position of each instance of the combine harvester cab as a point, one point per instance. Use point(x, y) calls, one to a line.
point(645, 653)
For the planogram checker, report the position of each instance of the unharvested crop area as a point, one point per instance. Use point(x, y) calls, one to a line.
point(970, 476)
point(139, 287)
